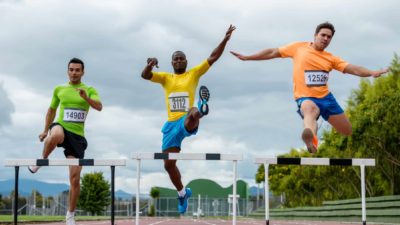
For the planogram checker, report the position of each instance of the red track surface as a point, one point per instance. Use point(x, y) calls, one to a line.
point(189, 221)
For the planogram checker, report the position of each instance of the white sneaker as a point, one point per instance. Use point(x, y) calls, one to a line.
point(70, 219)
point(33, 169)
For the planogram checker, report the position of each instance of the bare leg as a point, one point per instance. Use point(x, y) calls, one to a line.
point(74, 191)
point(172, 169)
point(310, 113)
point(341, 123)
point(191, 123)
point(56, 137)
point(192, 120)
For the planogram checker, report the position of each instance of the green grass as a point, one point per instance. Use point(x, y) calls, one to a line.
point(23, 218)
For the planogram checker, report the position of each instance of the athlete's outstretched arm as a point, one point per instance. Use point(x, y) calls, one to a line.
point(265, 54)
point(220, 48)
point(363, 72)
point(51, 114)
point(146, 73)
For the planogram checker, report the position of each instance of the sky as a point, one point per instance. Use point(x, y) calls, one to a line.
point(252, 110)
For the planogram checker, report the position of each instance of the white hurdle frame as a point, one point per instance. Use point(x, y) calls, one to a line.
point(315, 162)
point(63, 162)
point(138, 156)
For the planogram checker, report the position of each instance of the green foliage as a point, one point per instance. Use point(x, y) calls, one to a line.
point(374, 112)
point(95, 193)
point(152, 210)
point(154, 192)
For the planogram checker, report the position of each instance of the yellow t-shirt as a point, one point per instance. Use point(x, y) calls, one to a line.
point(180, 89)
point(311, 69)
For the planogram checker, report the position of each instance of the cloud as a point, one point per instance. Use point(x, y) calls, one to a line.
point(252, 106)
point(7, 107)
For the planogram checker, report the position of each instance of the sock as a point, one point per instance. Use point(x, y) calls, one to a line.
point(182, 192)
point(70, 213)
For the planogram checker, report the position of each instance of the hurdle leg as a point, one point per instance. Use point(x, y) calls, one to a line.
point(234, 192)
point(363, 205)
point(266, 193)
point(16, 195)
point(112, 194)
point(137, 190)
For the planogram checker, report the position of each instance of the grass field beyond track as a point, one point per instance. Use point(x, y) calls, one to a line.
point(9, 218)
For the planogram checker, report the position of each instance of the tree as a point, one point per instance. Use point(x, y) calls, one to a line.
point(155, 194)
point(95, 193)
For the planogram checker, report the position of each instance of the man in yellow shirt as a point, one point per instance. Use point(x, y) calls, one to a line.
point(311, 67)
point(183, 119)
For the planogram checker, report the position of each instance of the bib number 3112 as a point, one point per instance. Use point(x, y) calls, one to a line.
point(179, 102)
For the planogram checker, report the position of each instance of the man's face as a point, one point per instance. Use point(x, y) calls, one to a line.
point(179, 62)
point(323, 38)
point(75, 72)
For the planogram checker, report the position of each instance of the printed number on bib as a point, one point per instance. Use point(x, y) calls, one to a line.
point(179, 102)
point(74, 115)
point(316, 77)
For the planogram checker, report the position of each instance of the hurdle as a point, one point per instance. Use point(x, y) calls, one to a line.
point(315, 162)
point(63, 162)
point(138, 156)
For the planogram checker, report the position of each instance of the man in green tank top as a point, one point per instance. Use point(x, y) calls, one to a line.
point(74, 98)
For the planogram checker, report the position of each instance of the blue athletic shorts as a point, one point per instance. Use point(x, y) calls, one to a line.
point(327, 106)
point(174, 132)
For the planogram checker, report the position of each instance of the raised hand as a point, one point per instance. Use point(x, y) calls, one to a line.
point(42, 136)
point(229, 32)
point(238, 55)
point(378, 73)
point(82, 93)
point(152, 62)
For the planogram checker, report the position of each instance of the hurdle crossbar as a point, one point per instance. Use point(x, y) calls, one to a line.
point(315, 162)
point(139, 156)
point(64, 162)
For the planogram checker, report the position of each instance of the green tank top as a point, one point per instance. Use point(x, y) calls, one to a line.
point(73, 108)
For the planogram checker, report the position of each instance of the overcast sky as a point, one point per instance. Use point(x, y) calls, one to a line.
point(252, 111)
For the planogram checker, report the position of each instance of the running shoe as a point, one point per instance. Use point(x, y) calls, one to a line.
point(183, 201)
point(310, 140)
point(204, 96)
point(33, 169)
point(70, 219)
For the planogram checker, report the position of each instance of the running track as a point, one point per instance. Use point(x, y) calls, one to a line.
point(189, 221)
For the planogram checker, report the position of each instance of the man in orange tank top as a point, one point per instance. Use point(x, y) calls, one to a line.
point(311, 67)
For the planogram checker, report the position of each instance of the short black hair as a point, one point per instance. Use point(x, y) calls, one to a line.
point(78, 61)
point(181, 52)
point(326, 25)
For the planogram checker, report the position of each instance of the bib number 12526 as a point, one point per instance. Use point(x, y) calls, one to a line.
point(316, 77)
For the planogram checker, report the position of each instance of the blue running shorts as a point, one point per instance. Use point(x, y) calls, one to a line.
point(327, 106)
point(174, 132)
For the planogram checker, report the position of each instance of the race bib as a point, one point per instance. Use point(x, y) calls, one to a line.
point(316, 77)
point(179, 102)
point(75, 115)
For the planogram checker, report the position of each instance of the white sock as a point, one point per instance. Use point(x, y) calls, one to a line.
point(70, 213)
point(182, 192)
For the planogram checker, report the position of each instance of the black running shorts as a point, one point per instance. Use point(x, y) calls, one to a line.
point(74, 145)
